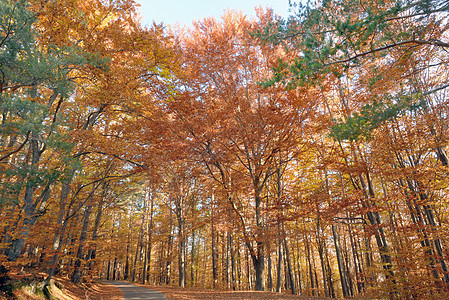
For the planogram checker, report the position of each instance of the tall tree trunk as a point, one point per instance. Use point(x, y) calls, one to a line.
point(128, 245)
point(214, 251)
point(147, 269)
point(92, 253)
point(108, 273)
point(309, 262)
point(248, 270)
point(32, 208)
point(60, 223)
point(167, 270)
point(289, 267)
point(239, 266)
point(114, 270)
point(279, 268)
point(182, 241)
point(31, 214)
point(76, 276)
point(356, 260)
point(227, 260)
point(319, 239)
point(298, 262)
point(259, 264)
point(192, 259)
point(145, 262)
point(258, 256)
point(181, 262)
point(341, 265)
point(140, 244)
point(348, 265)
point(323, 266)
point(330, 275)
point(136, 254)
point(204, 266)
point(233, 267)
point(374, 218)
point(269, 271)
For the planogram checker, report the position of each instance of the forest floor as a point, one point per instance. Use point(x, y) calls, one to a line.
point(91, 291)
point(190, 293)
point(30, 288)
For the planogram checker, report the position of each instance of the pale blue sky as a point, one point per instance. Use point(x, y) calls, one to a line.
point(184, 12)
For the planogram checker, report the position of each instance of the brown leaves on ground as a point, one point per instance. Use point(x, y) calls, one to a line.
point(205, 294)
point(63, 289)
point(100, 291)
point(92, 291)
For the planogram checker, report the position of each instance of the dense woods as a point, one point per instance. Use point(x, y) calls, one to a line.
point(305, 154)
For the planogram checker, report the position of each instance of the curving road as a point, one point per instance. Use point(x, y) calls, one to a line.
point(132, 292)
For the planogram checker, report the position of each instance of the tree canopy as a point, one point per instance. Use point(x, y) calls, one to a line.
point(306, 154)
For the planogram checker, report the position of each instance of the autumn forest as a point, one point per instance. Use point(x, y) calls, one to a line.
point(302, 155)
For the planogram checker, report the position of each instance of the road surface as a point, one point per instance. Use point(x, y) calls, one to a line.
point(132, 292)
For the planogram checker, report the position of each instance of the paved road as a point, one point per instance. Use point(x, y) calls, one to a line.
point(133, 292)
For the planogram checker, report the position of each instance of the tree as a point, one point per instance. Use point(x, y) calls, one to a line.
point(33, 121)
point(232, 125)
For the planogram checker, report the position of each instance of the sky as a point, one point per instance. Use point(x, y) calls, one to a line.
point(183, 12)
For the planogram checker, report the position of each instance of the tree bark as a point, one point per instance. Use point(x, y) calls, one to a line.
point(182, 242)
point(76, 276)
point(92, 253)
point(289, 267)
point(147, 269)
point(269, 271)
point(61, 223)
point(259, 259)
point(192, 259)
point(279, 268)
point(214, 251)
point(341, 264)
point(233, 267)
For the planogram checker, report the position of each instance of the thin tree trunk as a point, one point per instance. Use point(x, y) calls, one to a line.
point(309, 262)
point(108, 274)
point(374, 218)
point(258, 256)
point(192, 259)
point(239, 266)
point(233, 265)
point(167, 272)
point(248, 271)
point(60, 223)
point(214, 251)
point(93, 251)
point(341, 264)
point(76, 276)
point(348, 266)
point(227, 260)
point(32, 208)
point(279, 268)
point(269, 271)
point(126, 272)
point(181, 262)
point(323, 266)
point(138, 249)
point(114, 271)
point(147, 270)
point(179, 203)
point(355, 256)
point(298, 261)
point(289, 267)
point(331, 282)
